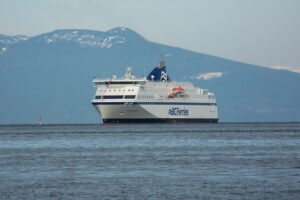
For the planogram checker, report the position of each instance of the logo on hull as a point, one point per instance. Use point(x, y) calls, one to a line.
point(177, 111)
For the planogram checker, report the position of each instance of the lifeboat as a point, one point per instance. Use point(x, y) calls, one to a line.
point(178, 89)
point(171, 95)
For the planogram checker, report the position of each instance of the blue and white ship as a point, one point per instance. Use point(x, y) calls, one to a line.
point(153, 99)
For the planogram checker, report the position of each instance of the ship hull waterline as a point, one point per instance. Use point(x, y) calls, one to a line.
point(159, 121)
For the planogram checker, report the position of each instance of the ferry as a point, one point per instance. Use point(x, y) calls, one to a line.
point(153, 99)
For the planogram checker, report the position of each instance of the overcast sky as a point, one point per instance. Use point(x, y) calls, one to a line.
point(263, 32)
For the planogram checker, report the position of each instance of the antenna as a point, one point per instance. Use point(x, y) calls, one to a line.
point(156, 50)
point(162, 64)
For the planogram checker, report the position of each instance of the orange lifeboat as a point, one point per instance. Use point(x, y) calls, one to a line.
point(178, 89)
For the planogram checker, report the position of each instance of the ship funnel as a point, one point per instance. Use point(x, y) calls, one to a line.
point(159, 73)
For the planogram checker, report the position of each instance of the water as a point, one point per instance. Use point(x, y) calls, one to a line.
point(223, 161)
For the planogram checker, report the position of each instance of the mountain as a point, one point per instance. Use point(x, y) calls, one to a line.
point(49, 76)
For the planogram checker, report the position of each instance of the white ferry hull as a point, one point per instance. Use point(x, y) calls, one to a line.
point(158, 112)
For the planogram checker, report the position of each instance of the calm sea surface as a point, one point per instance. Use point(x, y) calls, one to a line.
point(221, 161)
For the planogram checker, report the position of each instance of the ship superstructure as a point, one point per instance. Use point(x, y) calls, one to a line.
point(155, 99)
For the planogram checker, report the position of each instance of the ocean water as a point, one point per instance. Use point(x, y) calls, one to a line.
point(216, 161)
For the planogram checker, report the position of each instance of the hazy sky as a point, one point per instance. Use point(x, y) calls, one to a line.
point(264, 32)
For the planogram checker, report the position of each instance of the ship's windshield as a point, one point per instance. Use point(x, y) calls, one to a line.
point(115, 97)
point(119, 82)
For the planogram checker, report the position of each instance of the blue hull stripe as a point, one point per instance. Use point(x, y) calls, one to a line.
point(159, 120)
point(152, 103)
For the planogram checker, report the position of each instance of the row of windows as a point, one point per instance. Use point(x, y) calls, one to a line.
point(129, 90)
point(129, 97)
point(119, 82)
point(146, 97)
point(116, 97)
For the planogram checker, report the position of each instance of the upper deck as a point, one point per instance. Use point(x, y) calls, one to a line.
point(118, 82)
point(130, 88)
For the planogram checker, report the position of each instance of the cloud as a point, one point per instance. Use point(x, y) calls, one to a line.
point(288, 68)
point(210, 75)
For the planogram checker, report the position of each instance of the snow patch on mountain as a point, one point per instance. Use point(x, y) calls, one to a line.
point(287, 68)
point(118, 30)
point(3, 50)
point(109, 41)
point(210, 75)
point(85, 39)
point(49, 41)
point(8, 40)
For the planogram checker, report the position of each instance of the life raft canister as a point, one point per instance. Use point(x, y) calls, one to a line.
point(178, 89)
